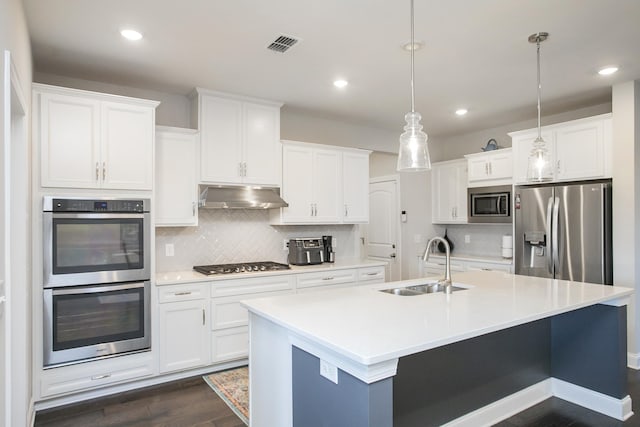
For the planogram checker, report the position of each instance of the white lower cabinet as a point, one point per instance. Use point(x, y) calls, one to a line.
point(436, 266)
point(322, 280)
point(371, 275)
point(86, 376)
point(184, 334)
point(230, 321)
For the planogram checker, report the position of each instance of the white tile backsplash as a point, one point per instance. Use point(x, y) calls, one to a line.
point(240, 235)
point(485, 239)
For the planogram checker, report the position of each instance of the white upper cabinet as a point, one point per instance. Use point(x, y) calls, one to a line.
point(449, 192)
point(93, 140)
point(323, 184)
point(176, 186)
point(355, 187)
point(490, 168)
point(239, 139)
point(579, 149)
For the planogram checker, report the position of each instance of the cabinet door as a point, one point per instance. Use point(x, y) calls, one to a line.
point(127, 146)
point(69, 141)
point(176, 182)
point(580, 151)
point(355, 177)
point(220, 140)
point(501, 164)
point(184, 335)
point(262, 149)
point(449, 192)
point(478, 168)
point(327, 176)
point(297, 183)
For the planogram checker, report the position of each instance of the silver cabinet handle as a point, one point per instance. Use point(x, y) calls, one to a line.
point(486, 168)
point(375, 274)
point(100, 377)
point(203, 317)
point(490, 168)
point(245, 168)
point(182, 293)
point(558, 166)
point(104, 171)
point(311, 206)
point(327, 278)
point(97, 171)
point(240, 169)
point(193, 208)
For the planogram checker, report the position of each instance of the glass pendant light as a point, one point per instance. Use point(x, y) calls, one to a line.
point(413, 155)
point(539, 168)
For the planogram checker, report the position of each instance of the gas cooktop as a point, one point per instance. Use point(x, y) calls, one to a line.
point(244, 267)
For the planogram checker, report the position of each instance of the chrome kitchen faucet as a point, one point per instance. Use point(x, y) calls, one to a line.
point(447, 272)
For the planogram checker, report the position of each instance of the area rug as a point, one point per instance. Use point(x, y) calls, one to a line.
point(233, 388)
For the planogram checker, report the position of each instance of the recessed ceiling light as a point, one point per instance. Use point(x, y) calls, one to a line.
point(607, 71)
point(340, 83)
point(131, 35)
point(413, 46)
point(461, 111)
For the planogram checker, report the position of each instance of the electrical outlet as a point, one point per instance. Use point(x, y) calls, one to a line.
point(329, 371)
point(169, 250)
point(467, 238)
point(285, 244)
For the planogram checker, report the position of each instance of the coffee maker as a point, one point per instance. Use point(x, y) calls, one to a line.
point(329, 255)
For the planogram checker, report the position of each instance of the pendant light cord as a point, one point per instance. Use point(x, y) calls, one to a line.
point(539, 90)
point(413, 48)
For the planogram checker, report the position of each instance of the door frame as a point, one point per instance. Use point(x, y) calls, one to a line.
point(394, 178)
point(14, 105)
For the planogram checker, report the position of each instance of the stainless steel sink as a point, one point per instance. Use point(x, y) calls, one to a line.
point(426, 288)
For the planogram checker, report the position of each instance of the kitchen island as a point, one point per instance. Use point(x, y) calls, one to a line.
point(360, 357)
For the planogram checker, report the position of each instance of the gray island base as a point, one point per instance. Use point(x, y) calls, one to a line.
point(578, 354)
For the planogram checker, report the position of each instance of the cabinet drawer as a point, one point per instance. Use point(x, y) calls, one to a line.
point(68, 379)
point(326, 278)
point(254, 285)
point(371, 275)
point(186, 292)
point(227, 312)
point(230, 344)
point(490, 267)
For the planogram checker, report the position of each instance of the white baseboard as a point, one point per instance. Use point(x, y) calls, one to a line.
point(505, 407)
point(633, 360)
point(552, 387)
point(616, 408)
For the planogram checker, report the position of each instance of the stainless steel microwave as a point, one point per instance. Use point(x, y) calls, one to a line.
point(489, 204)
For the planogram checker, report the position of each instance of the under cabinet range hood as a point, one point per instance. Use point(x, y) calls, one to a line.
point(230, 197)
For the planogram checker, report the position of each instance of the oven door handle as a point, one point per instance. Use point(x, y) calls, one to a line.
point(94, 215)
point(95, 289)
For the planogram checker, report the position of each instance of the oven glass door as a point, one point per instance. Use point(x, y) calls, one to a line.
point(85, 249)
point(86, 322)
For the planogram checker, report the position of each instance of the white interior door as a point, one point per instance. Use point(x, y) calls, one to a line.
point(382, 237)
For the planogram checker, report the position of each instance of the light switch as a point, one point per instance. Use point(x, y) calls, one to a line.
point(169, 250)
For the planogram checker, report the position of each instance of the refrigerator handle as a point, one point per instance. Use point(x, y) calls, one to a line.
point(548, 240)
point(554, 233)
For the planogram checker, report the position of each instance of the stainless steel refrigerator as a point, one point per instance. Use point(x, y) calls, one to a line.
point(563, 231)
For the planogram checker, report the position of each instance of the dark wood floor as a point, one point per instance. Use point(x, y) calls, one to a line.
point(191, 402)
point(184, 403)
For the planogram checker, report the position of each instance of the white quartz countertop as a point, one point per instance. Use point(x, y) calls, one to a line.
point(190, 276)
point(369, 327)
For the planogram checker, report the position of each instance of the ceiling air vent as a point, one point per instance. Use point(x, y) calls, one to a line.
point(282, 44)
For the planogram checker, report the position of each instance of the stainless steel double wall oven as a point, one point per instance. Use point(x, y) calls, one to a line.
point(96, 281)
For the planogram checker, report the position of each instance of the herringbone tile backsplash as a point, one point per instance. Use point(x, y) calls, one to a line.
point(239, 235)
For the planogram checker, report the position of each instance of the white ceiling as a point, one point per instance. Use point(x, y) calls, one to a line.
point(476, 53)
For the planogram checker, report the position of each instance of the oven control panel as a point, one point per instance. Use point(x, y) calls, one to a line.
point(95, 205)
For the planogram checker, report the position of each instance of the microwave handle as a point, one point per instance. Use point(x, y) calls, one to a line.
point(498, 204)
